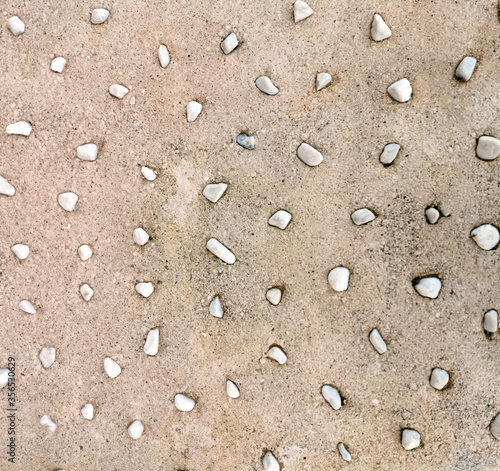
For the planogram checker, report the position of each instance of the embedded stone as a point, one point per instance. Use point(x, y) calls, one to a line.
point(377, 341)
point(276, 353)
point(362, 216)
point(488, 148)
point(400, 91)
point(428, 287)
point(465, 69)
point(273, 295)
point(152, 342)
point(213, 191)
point(332, 396)
point(229, 44)
point(379, 30)
point(309, 155)
point(439, 378)
point(389, 154)
point(323, 79)
point(301, 11)
point(265, 85)
point(112, 368)
point(221, 251)
point(486, 236)
point(339, 278)
point(87, 152)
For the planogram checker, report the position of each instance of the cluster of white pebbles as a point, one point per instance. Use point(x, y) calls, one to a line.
point(486, 236)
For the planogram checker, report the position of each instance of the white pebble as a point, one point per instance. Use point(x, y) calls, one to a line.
point(428, 287)
point(229, 44)
point(215, 308)
point(86, 291)
point(184, 403)
point(193, 110)
point(362, 216)
point(380, 30)
point(247, 142)
point(84, 252)
point(87, 152)
point(99, 16)
point(339, 278)
point(439, 378)
point(280, 219)
point(88, 411)
point(145, 289)
point(488, 148)
point(213, 191)
point(309, 155)
point(322, 80)
point(265, 85)
point(68, 201)
point(132, 100)
point(152, 342)
point(21, 251)
point(377, 341)
point(47, 356)
point(16, 25)
point(118, 91)
point(465, 69)
point(273, 295)
point(135, 430)
point(163, 56)
point(301, 11)
point(221, 251)
point(410, 439)
point(58, 64)
point(140, 236)
point(400, 91)
point(389, 154)
point(4, 377)
point(148, 173)
point(48, 423)
point(111, 368)
point(331, 396)
point(490, 321)
point(21, 128)
point(232, 390)
point(26, 306)
point(270, 463)
point(277, 354)
point(486, 236)
point(432, 214)
point(344, 452)
point(495, 427)
point(6, 188)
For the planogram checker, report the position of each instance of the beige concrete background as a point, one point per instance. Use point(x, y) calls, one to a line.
point(324, 333)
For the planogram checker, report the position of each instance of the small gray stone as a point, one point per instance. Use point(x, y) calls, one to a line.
point(488, 148)
point(47, 356)
point(439, 378)
point(465, 69)
point(248, 142)
point(490, 321)
point(389, 153)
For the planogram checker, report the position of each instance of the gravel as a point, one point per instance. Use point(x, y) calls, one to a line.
point(184, 403)
point(400, 91)
point(265, 85)
point(332, 396)
point(58, 64)
point(221, 251)
point(410, 439)
point(276, 353)
point(280, 219)
point(439, 378)
point(21, 128)
point(486, 236)
point(47, 356)
point(339, 278)
point(301, 11)
point(465, 69)
point(87, 152)
point(229, 44)
point(323, 79)
point(99, 16)
point(389, 154)
point(379, 30)
point(16, 25)
point(309, 155)
point(163, 56)
point(488, 148)
point(21, 251)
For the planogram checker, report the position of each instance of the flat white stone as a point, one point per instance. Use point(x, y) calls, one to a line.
point(213, 191)
point(232, 390)
point(490, 321)
point(323, 79)
point(265, 85)
point(380, 30)
point(429, 287)
point(26, 306)
point(58, 64)
point(410, 439)
point(118, 91)
point(87, 152)
point(4, 377)
point(21, 128)
point(309, 155)
point(86, 291)
point(277, 354)
point(332, 396)
point(270, 463)
point(84, 252)
point(88, 411)
point(68, 201)
point(221, 251)
point(439, 378)
point(339, 278)
point(111, 368)
point(248, 142)
point(48, 423)
point(362, 216)
point(6, 188)
point(145, 289)
point(99, 16)
point(193, 110)
point(273, 295)
point(488, 148)
point(47, 356)
point(280, 219)
point(184, 403)
point(152, 342)
point(135, 430)
point(400, 91)
point(465, 69)
point(229, 44)
point(16, 25)
point(486, 236)
point(140, 236)
point(432, 214)
point(21, 251)
point(215, 308)
point(495, 427)
point(301, 11)
point(377, 341)
point(148, 173)
point(344, 452)
point(389, 154)
point(163, 56)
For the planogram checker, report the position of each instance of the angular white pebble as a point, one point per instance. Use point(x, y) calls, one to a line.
point(362, 216)
point(439, 378)
point(495, 427)
point(428, 287)
point(68, 201)
point(432, 214)
point(6, 188)
point(273, 295)
point(86, 291)
point(21, 128)
point(344, 452)
point(21, 251)
point(88, 411)
point(140, 236)
point(48, 423)
point(184, 403)
point(486, 236)
point(163, 56)
point(229, 44)
point(389, 154)
point(247, 142)
point(276, 353)
point(400, 91)
point(118, 91)
point(47, 356)
point(84, 252)
point(58, 64)
point(111, 368)
point(322, 80)
point(410, 439)
point(26, 306)
point(465, 69)
point(270, 463)
point(193, 110)
point(215, 308)
point(16, 25)
point(213, 191)
point(280, 219)
point(152, 342)
point(148, 173)
point(221, 251)
point(488, 148)
point(377, 341)
point(99, 16)
point(301, 11)
point(232, 390)
point(87, 152)
point(309, 155)
point(490, 321)
point(4, 377)
point(135, 430)
point(339, 278)
point(380, 30)
point(145, 289)
point(265, 85)
point(332, 396)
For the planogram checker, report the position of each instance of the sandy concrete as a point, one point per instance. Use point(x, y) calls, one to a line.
point(325, 334)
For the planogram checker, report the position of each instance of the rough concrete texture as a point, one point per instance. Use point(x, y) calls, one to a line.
point(324, 333)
